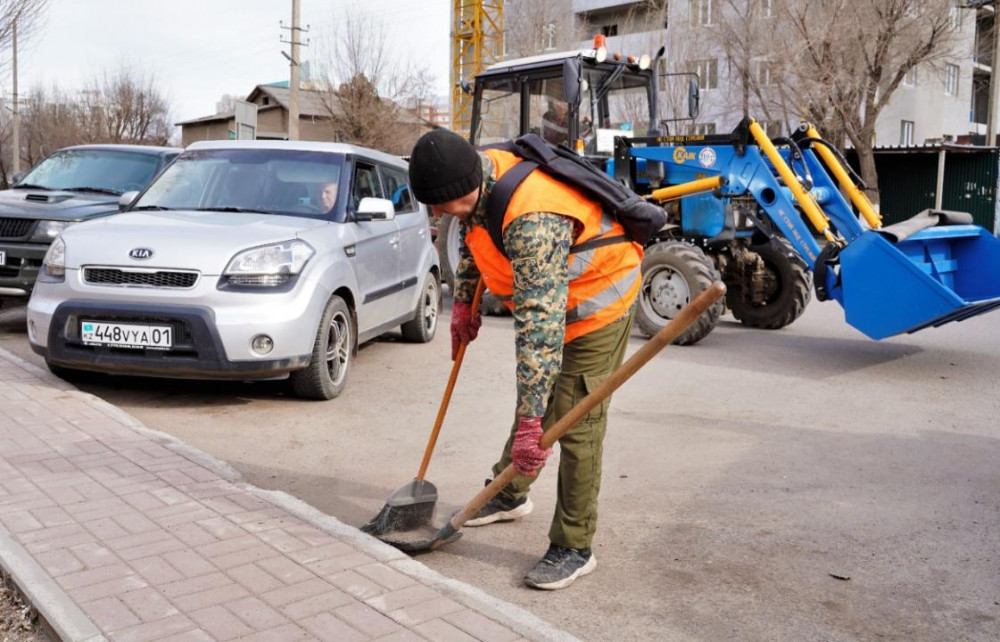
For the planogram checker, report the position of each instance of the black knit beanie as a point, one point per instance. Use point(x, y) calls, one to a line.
point(443, 167)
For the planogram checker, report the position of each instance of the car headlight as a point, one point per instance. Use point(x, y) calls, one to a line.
point(54, 264)
point(268, 265)
point(46, 231)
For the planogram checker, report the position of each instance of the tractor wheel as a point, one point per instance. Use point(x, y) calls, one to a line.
point(787, 292)
point(447, 244)
point(673, 274)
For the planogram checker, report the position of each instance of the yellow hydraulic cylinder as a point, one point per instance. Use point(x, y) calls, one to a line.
point(687, 189)
point(805, 201)
point(857, 196)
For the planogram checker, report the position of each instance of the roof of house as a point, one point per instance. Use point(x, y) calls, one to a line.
point(310, 100)
point(310, 104)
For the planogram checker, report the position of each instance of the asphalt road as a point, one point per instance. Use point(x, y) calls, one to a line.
point(802, 484)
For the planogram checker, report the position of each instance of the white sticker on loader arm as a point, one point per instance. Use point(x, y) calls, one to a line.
point(707, 157)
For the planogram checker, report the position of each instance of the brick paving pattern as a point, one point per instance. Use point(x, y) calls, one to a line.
point(153, 545)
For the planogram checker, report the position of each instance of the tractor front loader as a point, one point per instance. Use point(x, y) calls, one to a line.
point(745, 200)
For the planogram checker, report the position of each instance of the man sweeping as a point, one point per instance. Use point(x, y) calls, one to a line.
point(571, 279)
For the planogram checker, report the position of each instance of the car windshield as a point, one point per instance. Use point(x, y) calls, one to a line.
point(97, 170)
point(273, 181)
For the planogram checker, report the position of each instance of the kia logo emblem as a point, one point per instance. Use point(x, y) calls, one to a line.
point(141, 253)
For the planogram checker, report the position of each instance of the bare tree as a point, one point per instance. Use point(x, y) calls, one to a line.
point(851, 56)
point(126, 106)
point(363, 88)
point(28, 15)
point(226, 104)
point(745, 31)
point(52, 120)
point(535, 26)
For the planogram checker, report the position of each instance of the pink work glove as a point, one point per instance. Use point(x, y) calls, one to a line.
point(527, 456)
point(464, 326)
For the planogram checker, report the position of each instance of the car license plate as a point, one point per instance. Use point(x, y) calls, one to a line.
point(121, 335)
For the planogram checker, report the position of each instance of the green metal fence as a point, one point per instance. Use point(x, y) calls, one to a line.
point(907, 180)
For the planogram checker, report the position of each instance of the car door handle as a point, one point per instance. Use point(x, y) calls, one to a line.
point(394, 241)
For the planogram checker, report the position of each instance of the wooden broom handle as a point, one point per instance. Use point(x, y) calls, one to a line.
point(443, 409)
point(688, 315)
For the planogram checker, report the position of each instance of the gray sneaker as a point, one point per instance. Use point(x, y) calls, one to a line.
point(501, 509)
point(560, 567)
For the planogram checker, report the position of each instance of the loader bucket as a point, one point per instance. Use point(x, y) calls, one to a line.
point(937, 275)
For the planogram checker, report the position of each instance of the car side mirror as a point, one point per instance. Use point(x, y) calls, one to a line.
point(375, 209)
point(126, 199)
point(18, 177)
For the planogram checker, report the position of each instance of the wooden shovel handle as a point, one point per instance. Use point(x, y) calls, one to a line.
point(688, 315)
point(443, 409)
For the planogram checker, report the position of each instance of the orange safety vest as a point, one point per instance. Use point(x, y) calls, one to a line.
point(603, 281)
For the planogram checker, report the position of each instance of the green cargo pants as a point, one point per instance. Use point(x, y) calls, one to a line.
point(586, 362)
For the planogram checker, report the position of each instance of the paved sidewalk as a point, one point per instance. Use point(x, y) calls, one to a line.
point(117, 532)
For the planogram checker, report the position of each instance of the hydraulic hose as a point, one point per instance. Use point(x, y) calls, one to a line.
point(796, 153)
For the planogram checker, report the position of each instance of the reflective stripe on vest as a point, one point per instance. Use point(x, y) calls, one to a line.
point(579, 261)
point(601, 300)
point(604, 280)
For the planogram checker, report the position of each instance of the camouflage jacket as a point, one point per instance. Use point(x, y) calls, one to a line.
point(538, 246)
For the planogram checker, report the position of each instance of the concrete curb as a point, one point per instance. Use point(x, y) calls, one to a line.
point(523, 622)
point(59, 611)
point(63, 614)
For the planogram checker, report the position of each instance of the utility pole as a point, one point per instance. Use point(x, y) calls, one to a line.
point(293, 63)
point(16, 133)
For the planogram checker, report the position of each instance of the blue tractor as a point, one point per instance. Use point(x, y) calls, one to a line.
point(776, 220)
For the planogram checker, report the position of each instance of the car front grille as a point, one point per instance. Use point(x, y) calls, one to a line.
point(140, 278)
point(15, 228)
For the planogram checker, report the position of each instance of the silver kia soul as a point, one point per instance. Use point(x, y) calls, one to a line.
point(243, 260)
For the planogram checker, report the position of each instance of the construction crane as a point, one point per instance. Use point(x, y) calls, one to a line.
point(476, 43)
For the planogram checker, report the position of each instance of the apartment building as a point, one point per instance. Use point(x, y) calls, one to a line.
point(947, 101)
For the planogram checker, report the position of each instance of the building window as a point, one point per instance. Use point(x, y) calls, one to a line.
point(708, 73)
point(764, 75)
point(503, 44)
point(704, 129)
point(951, 80)
point(609, 30)
point(954, 18)
point(906, 133)
point(766, 10)
point(910, 79)
point(704, 13)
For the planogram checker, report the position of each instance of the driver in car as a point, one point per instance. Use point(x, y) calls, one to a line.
point(327, 195)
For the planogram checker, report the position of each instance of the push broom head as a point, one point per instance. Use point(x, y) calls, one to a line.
point(409, 507)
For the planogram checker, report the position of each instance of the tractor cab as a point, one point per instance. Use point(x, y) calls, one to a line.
point(581, 99)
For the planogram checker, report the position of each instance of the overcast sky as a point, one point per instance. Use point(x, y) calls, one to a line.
point(199, 50)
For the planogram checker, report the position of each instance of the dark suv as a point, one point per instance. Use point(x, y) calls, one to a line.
point(72, 185)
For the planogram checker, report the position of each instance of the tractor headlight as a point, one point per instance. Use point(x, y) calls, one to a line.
point(54, 264)
point(268, 265)
point(46, 231)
